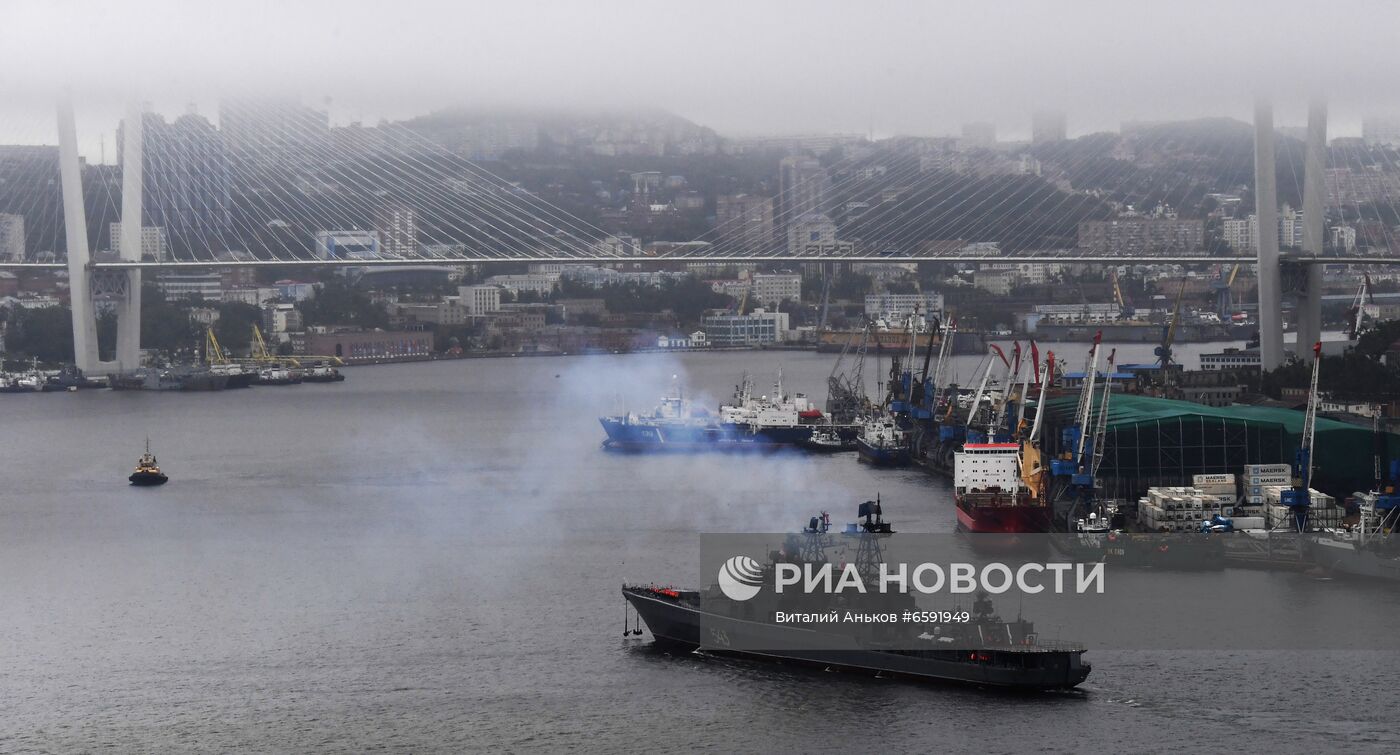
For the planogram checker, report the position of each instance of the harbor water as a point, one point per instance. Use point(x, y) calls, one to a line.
point(428, 556)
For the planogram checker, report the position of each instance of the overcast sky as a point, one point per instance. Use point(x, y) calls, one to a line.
point(917, 67)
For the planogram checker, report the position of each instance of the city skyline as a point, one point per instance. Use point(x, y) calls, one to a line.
point(996, 68)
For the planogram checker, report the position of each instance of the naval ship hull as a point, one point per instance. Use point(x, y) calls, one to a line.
point(1342, 557)
point(696, 436)
point(675, 623)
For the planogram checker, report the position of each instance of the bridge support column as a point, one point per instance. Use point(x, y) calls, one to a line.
point(129, 307)
point(1266, 209)
point(75, 229)
point(1314, 224)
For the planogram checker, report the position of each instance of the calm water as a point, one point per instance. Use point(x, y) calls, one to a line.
point(428, 557)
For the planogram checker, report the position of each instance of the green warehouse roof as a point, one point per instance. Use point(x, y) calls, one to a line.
point(1156, 441)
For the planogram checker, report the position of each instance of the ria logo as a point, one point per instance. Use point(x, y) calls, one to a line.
point(740, 578)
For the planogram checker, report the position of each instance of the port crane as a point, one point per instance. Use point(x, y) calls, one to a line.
point(213, 352)
point(1032, 466)
point(258, 352)
point(1356, 313)
point(845, 397)
point(1223, 284)
point(1298, 498)
point(1386, 508)
point(1077, 466)
point(1164, 350)
point(972, 434)
point(996, 428)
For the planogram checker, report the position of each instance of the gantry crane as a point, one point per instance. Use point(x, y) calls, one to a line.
point(1298, 498)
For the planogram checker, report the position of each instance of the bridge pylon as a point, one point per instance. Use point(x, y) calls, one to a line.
point(1280, 274)
point(88, 286)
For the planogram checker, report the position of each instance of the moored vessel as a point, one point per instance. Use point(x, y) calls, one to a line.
point(991, 495)
point(883, 443)
point(322, 372)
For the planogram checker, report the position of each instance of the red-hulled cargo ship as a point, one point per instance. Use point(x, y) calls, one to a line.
point(991, 493)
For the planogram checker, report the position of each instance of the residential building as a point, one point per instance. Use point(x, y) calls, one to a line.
point(209, 286)
point(479, 300)
point(903, 305)
point(1242, 234)
point(758, 327)
point(772, 289)
point(539, 283)
point(744, 222)
point(153, 243)
point(814, 234)
point(449, 311)
point(397, 225)
point(11, 236)
point(1141, 235)
point(1238, 233)
point(281, 317)
point(1290, 227)
point(291, 290)
point(1342, 237)
point(995, 282)
point(1028, 273)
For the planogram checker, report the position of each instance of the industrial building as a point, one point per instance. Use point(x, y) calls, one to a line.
point(1152, 442)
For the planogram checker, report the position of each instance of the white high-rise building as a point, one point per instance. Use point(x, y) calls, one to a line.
point(398, 230)
point(153, 243)
point(1239, 232)
point(11, 237)
point(479, 300)
point(772, 289)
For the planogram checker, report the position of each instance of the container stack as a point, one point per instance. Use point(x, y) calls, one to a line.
point(1322, 513)
point(1182, 509)
point(1259, 476)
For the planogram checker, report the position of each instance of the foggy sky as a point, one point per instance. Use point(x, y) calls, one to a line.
point(858, 66)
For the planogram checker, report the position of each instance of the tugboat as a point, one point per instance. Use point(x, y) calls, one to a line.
point(985, 650)
point(147, 470)
point(825, 441)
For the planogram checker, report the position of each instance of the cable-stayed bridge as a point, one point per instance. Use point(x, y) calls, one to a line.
point(273, 188)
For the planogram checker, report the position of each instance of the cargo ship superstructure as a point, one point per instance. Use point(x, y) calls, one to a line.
point(785, 419)
point(999, 482)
